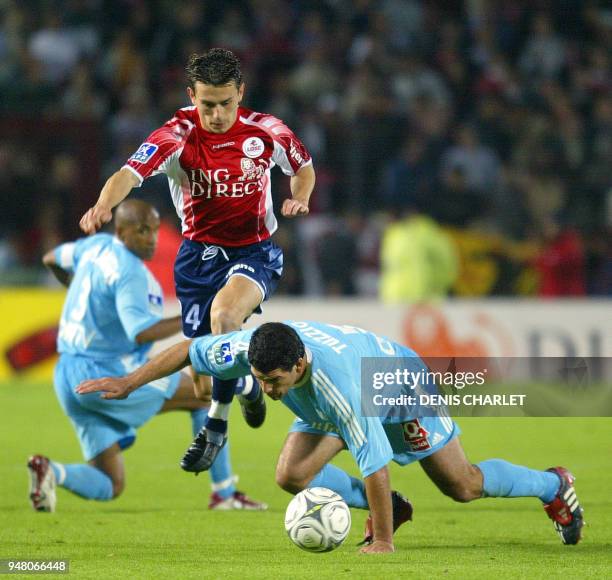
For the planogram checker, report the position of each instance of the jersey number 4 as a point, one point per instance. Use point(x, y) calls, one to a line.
point(193, 317)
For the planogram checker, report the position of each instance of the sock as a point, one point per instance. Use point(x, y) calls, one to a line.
point(503, 479)
point(248, 388)
point(222, 395)
point(350, 488)
point(221, 479)
point(84, 480)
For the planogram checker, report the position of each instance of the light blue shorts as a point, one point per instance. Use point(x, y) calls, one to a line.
point(100, 423)
point(411, 441)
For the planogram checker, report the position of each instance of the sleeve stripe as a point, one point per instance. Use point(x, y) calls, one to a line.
point(358, 442)
point(447, 423)
point(323, 378)
point(331, 393)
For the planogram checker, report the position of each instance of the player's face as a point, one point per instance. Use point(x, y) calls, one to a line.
point(217, 106)
point(141, 238)
point(277, 383)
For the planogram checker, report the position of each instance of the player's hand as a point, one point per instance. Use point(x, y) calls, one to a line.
point(111, 387)
point(294, 208)
point(95, 218)
point(378, 547)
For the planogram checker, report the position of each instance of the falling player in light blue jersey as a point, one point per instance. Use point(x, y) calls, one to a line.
point(111, 317)
point(315, 370)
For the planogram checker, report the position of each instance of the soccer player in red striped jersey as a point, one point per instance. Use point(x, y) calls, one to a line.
point(217, 156)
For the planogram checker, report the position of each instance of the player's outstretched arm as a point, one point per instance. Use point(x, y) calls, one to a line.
point(378, 491)
point(63, 276)
point(302, 184)
point(115, 190)
point(165, 363)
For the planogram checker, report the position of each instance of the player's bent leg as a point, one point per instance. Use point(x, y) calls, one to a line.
point(452, 473)
point(187, 396)
point(302, 457)
point(202, 386)
point(232, 305)
point(102, 479)
point(110, 462)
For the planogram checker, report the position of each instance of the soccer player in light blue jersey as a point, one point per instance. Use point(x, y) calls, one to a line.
point(315, 370)
point(111, 317)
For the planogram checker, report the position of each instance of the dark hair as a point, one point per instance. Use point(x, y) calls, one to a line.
point(275, 346)
point(216, 67)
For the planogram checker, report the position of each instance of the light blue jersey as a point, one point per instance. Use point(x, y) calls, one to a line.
point(328, 400)
point(112, 298)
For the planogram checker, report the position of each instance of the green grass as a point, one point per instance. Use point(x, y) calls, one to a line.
point(160, 527)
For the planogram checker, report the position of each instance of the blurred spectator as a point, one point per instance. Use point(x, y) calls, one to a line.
point(408, 178)
point(82, 99)
point(544, 54)
point(598, 249)
point(55, 47)
point(313, 77)
point(458, 204)
point(477, 162)
point(418, 261)
point(561, 262)
point(338, 257)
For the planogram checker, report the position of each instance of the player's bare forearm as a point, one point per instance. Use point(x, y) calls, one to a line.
point(165, 363)
point(302, 184)
point(160, 330)
point(378, 491)
point(63, 276)
point(115, 190)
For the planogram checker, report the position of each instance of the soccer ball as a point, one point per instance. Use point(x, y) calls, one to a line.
point(317, 520)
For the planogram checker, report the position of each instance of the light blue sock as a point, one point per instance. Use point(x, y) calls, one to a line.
point(503, 479)
point(84, 480)
point(221, 478)
point(350, 488)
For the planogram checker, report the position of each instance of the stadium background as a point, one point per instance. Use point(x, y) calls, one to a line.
point(462, 151)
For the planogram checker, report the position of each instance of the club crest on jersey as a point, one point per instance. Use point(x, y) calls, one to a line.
point(416, 436)
point(250, 170)
point(253, 147)
point(223, 353)
point(144, 153)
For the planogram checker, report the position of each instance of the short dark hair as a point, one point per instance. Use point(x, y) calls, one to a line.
point(275, 346)
point(216, 67)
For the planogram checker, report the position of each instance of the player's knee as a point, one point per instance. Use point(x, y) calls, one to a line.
point(465, 489)
point(225, 319)
point(118, 487)
point(460, 493)
point(290, 481)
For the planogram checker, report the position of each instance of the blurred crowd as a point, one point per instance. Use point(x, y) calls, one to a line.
point(461, 148)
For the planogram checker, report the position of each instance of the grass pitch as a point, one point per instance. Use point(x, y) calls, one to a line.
point(160, 527)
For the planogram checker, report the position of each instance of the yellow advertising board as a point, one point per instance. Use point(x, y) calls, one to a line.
point(27, 334)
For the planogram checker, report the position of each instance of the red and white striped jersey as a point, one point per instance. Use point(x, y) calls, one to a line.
point(220, 182)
